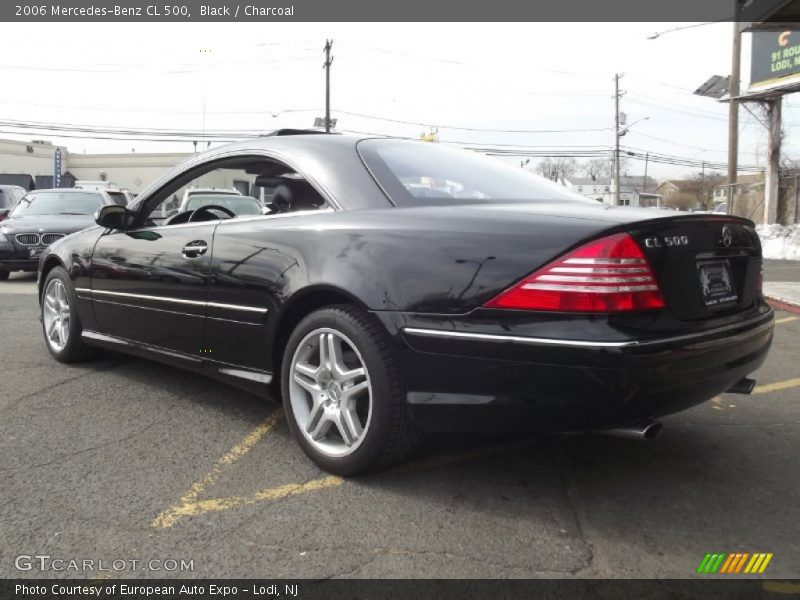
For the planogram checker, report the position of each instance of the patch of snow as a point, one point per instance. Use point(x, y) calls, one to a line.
point(780, 242)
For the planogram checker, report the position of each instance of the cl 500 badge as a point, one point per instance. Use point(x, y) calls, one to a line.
point(667, 241)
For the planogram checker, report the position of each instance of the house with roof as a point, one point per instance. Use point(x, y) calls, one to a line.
point(633, 191)
point(744, 184)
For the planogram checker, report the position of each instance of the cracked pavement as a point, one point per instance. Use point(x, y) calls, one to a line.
point(90, 454)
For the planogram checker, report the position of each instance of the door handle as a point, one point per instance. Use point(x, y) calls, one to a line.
point(194, 249)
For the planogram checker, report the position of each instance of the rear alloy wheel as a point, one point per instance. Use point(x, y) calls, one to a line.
point(3, 275)
point(342, 393)
point(60, 322)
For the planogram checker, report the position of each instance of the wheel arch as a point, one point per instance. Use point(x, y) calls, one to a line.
point(50, 263)
point(301, 304)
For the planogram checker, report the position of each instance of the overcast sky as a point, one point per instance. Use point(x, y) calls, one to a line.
point(525, 76)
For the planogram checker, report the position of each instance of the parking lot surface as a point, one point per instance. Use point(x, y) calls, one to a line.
point(125, 459)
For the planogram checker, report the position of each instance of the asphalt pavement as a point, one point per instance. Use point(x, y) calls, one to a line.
point(128, 460)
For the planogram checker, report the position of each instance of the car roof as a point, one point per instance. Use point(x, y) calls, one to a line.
point(298, 139)
point(327, 161)
point(69, 191)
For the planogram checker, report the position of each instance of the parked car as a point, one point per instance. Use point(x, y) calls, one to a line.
point(188, 194)
point(237, 204)
point(86, 184)
point(9, 196)
point(209, 193)
point(40, 218)
point(377, 311)
point(118, 196)
point(121, 197)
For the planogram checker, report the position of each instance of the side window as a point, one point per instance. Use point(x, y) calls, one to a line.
point(233, 188)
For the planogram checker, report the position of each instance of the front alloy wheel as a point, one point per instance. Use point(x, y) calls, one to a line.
point(60, 322)
point(56, 315)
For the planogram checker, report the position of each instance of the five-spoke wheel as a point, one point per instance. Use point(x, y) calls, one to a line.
point(61, 324)
point(342, 392)
point(56, 315)
point(330, 392)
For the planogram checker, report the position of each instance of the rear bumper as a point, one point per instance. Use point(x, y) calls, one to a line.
point(462, 379)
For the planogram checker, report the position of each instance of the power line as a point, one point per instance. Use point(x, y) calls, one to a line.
point(498, 149)
point(464, 128)
point(190, 68)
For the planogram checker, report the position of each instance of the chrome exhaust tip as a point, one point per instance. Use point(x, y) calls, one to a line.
point(743, 386)
point(644, 431)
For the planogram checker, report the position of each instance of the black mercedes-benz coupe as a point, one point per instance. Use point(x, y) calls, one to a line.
point(397, 287)
point(40, 218)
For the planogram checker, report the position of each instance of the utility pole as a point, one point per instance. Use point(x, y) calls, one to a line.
point(703, 184)
point(617, 95)
point(327, 67)
point(646, 160)
point(733, 109)
point(772, 178)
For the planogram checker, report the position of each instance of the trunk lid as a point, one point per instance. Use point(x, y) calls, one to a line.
point(706, 265)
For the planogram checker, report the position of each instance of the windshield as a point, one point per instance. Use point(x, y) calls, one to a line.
point(239, 205)
point(58, 203)
point(417, 173)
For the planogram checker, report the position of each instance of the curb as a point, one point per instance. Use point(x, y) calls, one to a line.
point(783, 305)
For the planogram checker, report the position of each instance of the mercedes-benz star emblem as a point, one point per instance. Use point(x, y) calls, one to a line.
point(727, 236)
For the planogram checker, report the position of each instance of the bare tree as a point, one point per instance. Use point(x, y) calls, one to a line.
point(596, 168)
point(558, 167)
point(704, 189)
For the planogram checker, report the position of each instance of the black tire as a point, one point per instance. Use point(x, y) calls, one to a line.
point(75, 350)
point(4, 275)
point(390, 436)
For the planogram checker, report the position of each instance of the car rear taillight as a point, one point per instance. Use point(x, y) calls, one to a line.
point(608, 275)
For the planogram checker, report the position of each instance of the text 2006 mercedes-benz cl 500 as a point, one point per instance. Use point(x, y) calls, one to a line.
point(395, 287)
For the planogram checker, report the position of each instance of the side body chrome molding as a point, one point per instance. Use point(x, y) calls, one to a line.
point(252, 376)
point(758, 324)
point(238, 307)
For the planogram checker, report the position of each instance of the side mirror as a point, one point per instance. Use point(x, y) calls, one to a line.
point(113, 216)
point(4, 213)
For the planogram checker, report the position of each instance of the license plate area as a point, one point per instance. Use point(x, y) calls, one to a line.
point(36, 252)
point(716, 282)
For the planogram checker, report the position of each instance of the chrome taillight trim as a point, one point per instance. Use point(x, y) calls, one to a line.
point(578, 279)
point(597, 289)
point(599, 270)
point(605, 261)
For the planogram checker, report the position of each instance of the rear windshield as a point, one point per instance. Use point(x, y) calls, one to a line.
point(58, 203)
point(239, 205)
point(419, 173)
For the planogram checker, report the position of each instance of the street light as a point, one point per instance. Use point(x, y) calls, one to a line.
point(658, 34)
point(625, 130)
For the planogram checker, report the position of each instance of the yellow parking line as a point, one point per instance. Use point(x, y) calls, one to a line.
point(786, 320)
point(169, 517)
point(190, 506)
point(777, 386)
point(192, 509)
point(781, 587)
